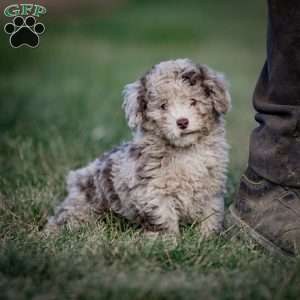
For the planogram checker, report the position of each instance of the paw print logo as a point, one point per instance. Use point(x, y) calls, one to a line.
point(24, 32)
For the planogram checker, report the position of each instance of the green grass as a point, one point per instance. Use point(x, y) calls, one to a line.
point(61, 107)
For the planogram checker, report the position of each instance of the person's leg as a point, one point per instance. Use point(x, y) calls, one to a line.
point(268, 201)
point(275, 143)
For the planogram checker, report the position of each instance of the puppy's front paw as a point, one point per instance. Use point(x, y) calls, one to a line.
point(50, 228)
point(208, 230)
point(151, 235)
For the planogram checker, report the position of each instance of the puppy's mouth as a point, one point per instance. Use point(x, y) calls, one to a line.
point(185, 133)
point(203, 131)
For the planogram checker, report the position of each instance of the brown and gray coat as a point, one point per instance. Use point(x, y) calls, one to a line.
point(168, 173)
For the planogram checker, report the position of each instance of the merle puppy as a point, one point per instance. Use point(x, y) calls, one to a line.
point(174, 169)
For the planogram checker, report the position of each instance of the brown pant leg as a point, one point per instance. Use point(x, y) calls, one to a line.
point(275, 143)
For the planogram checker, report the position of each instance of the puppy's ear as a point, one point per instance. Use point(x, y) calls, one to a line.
point(134, 103)
point(216, 88)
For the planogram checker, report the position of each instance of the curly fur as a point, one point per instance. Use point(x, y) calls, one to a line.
point(166, 174)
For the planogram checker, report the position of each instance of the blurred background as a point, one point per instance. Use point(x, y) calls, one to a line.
point(61, 103)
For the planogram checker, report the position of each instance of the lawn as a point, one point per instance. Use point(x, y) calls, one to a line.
point(60, 107)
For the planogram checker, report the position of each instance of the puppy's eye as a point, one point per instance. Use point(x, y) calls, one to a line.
point(163, 106)
point(193, 102)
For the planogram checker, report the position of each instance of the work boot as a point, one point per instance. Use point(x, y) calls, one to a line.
point(268, 213)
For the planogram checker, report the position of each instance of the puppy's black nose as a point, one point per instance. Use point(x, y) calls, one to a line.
point(182, 123)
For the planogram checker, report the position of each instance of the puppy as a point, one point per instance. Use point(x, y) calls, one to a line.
point(174, 169)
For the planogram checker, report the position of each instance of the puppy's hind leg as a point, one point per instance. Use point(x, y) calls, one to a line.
point(82, 202)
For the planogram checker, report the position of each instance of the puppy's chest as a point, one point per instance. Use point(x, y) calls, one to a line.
point(187, 171)
point(186, 180)
point(190, 165)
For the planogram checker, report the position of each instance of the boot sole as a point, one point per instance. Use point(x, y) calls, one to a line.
point(233, 219)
